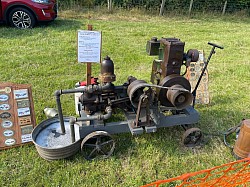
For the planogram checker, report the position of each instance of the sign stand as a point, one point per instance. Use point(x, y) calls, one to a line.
point(88, 69)
point(89, 49)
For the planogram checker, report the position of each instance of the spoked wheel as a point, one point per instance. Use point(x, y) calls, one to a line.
point(192, 137)
point(97, 144)
point(21, 18)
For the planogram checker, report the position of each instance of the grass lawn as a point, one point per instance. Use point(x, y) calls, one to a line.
point(46, 58)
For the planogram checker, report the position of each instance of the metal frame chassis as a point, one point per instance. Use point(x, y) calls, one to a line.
point(188, 116)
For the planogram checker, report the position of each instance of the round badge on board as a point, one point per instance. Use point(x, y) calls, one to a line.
point(8, 133)
point(7, 89)
point(7, 124)
point(5, 115)
point(10, 142)
point(4, 97)
point(4, 106)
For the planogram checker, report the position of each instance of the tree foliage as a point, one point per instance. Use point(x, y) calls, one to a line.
point(171, 5)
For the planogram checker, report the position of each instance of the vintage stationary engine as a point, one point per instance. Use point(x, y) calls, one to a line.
point(166, 101)
point(169, 87)
point(166, 71)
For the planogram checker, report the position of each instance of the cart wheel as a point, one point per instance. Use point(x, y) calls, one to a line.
point(192, 137)
point(97, 144)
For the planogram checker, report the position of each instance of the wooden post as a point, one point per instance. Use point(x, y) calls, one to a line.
point(109, 5)
point(224, 8)
point(88, 69)
point(190, 7)
point(162, 7)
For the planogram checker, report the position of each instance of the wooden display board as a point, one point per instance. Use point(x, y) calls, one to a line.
point(17, 117)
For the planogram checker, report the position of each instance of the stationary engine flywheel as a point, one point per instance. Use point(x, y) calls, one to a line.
point(178, 95)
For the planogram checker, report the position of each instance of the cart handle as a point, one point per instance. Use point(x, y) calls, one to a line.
point(215, 45)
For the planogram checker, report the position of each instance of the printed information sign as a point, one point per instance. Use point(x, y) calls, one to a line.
point(89, 46)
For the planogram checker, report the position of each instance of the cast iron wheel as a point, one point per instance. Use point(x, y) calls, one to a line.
point(192, 137)
point(97, 144)
point(21, 18)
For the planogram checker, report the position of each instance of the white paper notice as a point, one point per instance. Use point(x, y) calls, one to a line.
point(26, 138)
point(89, 46)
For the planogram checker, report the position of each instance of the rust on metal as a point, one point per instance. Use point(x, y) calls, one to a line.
point(107, 71)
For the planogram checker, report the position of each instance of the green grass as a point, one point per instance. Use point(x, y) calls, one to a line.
point(46, 58)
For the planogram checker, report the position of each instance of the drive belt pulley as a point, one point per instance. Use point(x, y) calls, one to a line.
point(136, 89)
point(178, 95)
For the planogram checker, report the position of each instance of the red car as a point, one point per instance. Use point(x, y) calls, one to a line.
point(27, 13)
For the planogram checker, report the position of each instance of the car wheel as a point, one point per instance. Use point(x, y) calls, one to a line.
point(21, 18)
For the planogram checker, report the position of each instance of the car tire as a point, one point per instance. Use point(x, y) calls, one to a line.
point(21, 18)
